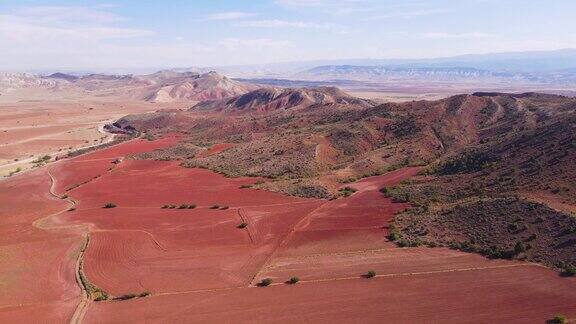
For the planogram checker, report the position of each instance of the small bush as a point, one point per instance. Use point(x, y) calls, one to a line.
point(172, 206)
point(265, 282)
point(71, 209)
point(110, 205)
point(394, 235)
point(569, 271)
point(125, 297)
point(215, 207)
point(224, 207)
point(293, 280)
point(347, 191)
point(99, 295)
point(64, 197)
point(370, 274)
point(165, 206)
point(245, 186)
point(558, 319)
point(191, 206)
point(519, 247)
point(242, 225)
point(144, 294)
point(183, 206)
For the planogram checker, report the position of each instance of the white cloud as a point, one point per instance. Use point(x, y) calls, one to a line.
point(231, 15)
point(42, 24)
point(95, 38)
point(473, 35)
point(409, 14)
point(338, 7)
point(276, 23)
point(67, 15)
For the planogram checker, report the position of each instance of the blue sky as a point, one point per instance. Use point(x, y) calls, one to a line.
point(139, 33)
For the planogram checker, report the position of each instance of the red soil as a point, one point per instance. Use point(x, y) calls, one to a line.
point(139, 246)
point(200, 267)
point(502, 295)
point(86, 167)
point(37, 276)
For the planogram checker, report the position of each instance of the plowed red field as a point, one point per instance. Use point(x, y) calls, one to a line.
point(198, 266)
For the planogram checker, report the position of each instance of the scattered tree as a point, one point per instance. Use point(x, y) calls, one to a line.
point(242, 225)
point(569, 271)
point(293, 280)
point(370, 274)
point(558, 319)
point(265, 282)
point(110, 205)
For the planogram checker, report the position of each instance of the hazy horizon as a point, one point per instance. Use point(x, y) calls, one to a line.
point(50, 35)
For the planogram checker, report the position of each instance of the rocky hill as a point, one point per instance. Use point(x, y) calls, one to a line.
point(272, 99)
point(489, 159)
point(171, 86)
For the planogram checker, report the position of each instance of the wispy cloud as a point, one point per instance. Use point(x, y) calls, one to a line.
point(472, 35)
point(328, 6)
point(67, 15)
point(230, 15)
point(276, 23)
point(64, 24)
point(409, 14)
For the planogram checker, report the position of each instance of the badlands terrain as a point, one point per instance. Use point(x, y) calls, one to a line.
point(184, 197)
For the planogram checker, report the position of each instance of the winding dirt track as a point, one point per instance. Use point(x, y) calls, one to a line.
point(199, 267)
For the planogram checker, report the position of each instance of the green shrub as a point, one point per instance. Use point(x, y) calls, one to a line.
point(125, 297)
point(183, 206)
point(144, 294)
point(214, 207)
point(347, 191)
point(370, 274)
point(293, 280)
point(519, 247)
point(395, 235)
point(242, 225)
point(569, 270)
point(245, 186)
point(71, 209)
point(165, 206)
point(265, 282)
point(224, 207)
point(558, 319)
point(192, 206)
point(99, 295)
point(110, 205)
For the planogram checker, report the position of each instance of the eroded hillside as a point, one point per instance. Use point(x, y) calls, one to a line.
point(480, 153)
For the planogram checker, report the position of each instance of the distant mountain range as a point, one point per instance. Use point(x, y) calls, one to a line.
point(163, 86)
point(513, 62)
point(537, 67)
point(553, 71)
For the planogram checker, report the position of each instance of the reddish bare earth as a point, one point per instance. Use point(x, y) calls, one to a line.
point(198, 266)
